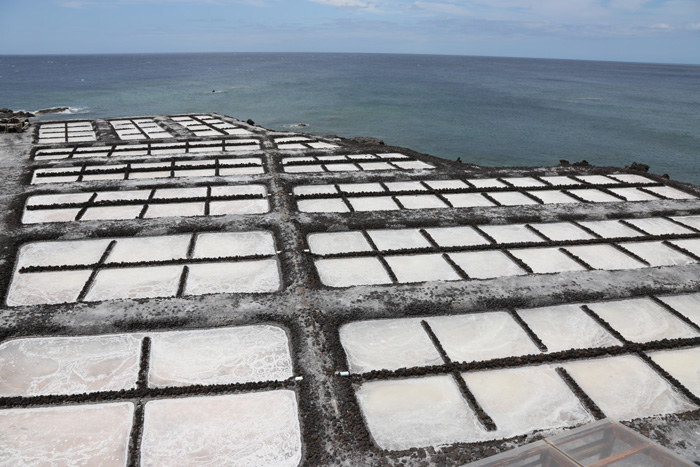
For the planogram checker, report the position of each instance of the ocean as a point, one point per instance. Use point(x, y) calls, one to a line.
point(484, 110)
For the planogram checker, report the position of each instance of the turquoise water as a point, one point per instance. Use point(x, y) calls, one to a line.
point(488, 111)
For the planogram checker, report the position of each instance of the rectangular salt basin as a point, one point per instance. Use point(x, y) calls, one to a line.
point(259, 276)
point(322, 205)
point(421, 202)
point(260, 428)
point(314, 190)
point(61, 253)
point(242, 206)
point(481, 336)
point(49, 215)
point(594, 196)
point(566, 327)
point(235, 355)
point(690, 221)
point(412, 165)
point(658, 254)
point(95, 434)
point(659, 226)
point(69, 198)
point(546, 260)
point(456, 236)
point(671, 193)
point(337, 242)
point(523, 182)
point(596, 179)
point(486, 183)
point(486, 264)
point(560, 231)
point(421, 268)
point(373, 203)
point(610, 229)
point(633, 194)
point(387, 344)
point(112, 212)
point(626, 388)
point(46, 287)
point(398, 239)
point(174, 210)
point(521, 400)
point(361, 188)
point(512, 198)
point(446, 184)
point(229, 244)
point(405, 186)
point(688, 305)
point(511, 233)
point(135, 282)
point(604, 257)
point(417, 412)
point(553, 197)
point(68, 365)
point(342, 168)
point(348, 272)
point(138, 249)
point(641, 320)
point(682, 364)
point(468, 200)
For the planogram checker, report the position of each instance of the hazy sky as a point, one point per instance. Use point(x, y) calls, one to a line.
point(627, 30)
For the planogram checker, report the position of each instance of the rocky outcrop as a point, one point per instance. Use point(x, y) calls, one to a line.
point(13, 122)
point(53, 110)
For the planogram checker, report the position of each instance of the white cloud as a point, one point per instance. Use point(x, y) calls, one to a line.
point(348, 4)
point(441, 8)
point(661, 27)
point(694, 27)
point(629, 5)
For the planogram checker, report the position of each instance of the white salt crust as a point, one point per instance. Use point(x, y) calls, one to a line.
point(219, 356)
point(633, 194)
point(611, 229)
point(337, 242)
point(421, 268)
point(546, 260)
point(511, 233)
point(558, 231)
point(553, 197)
point(481, 336)
point(132, 283)
point(253, 429)
point(605, 257)
point(512, 198)
point(626, 388)
point(456, 236)
point(641, 320)
point(594, 196)
point(68, 365)
point(692, 245)
point(486, 264)
point(347, 272)
point(417, 412)
point(692, 221)
point(468, 200)
point(261, 276)
point(671, 193)
point(687, 305)
point(374, 203)
point(658, 254)
point(397, 239)
point(659, 226)
point(322, 205)
point(387, 345)
point(682, 364)
point(96, 434)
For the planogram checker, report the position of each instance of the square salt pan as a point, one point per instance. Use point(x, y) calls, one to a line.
point(481, 336)
point(688, 305)
point(456, 236)
point(553, 197)
point(658, 254)
point(361, 188)
point(595, 196)
point(405, 186)
point(406, 413)
point(373, 203)
point(659, 226)
point(49, 215)
point(421, 202)
point(521, 400)
point(611, 229)
point(314, 190)
point(690, 221)
point(241, 354)
point(229, 244)
point(260, 276)
point(260, 428)
point(138, 249)
point(95, 434)
point(642, 320)
point(241, 206)
point(134, 283)
point(626, 388)
point(412, 165)
point(682, 365)
point(596, 179)
point(560, 231)
point(468, 200)
point(523, 182)
point(337, 242)
point(446, 184)
point(633, 194)
point(347, 272)
point(421, 268)
point(398, 239)
point(671, 193)
point(566, 327)
point(174, 210)
point(512, 198)
point(376, 166)
point(342, 168)
point(511, 233)
point(61, 253)
point(604, 257)
point(68, 365)
point(322, 205)
point(547, 260)
point(47, 287)
point(486, 264)
point(387, 345)
point(486, 183)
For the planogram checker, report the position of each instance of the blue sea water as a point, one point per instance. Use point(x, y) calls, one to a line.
point(487, 111)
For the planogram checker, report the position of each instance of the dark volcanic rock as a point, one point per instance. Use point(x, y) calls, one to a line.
point(366, 140)
point(53, 110)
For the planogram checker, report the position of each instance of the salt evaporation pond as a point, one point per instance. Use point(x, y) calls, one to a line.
point(682, 364)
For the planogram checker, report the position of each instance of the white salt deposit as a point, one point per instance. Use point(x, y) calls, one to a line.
point(68, 365)
point(604, 257)
point(658, 254)
point(559, 231)
point(174, 210)
point(446, 184)
point(254, 429)
point(626, 388)
point(486, 264)
point(511, 233)
point(610, 229)
point(671, 193)
point(112, 212)
point(406, 186)
point(58, 199)
point(456, 236)
point(377, 166)
point(397, 239)
point(467, 200)
point(337, 242)
point(413, 165)
point(161, 248)
point(481, 336)
point(346, 272)
point(322, 145)
point(486, 183)
point(633, 194)
point(595, 196)
point(641, 320)
point(219, 356)
point(421, 202)
point(46, 287)
point(122, 195)
point(417, 412)
point(553, 197)
point(342, 168)
point(170, 193)
point(140, 282)
point(322, 205)
point(688, 305)
point(521, 400)
point(96, 434)
point(546, 260)
point(49, 215)
point(261, 276)
point(597, 179)
point(361, 187)
point(393, 155)
point(239, 206)
point(227, 244)
point(421, 268)
point(373, 203)
point(61, 253)
point(659, 226)
point(692, 221)
point(314, 189)
point(523, 182)
point(512, 198)
point(566, 327)
point(303, 168)
point(387, 344)
point(682, 364)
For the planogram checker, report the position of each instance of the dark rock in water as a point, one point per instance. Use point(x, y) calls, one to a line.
point(583, 163)
point(5, 110)
point(639, 167)
point(459, 159)
point(250, 122)
point(53, 110)
point(366, 140)
point(564, 162)
point(666, 176)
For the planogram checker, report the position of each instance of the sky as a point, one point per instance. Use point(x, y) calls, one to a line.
point(658, 31)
